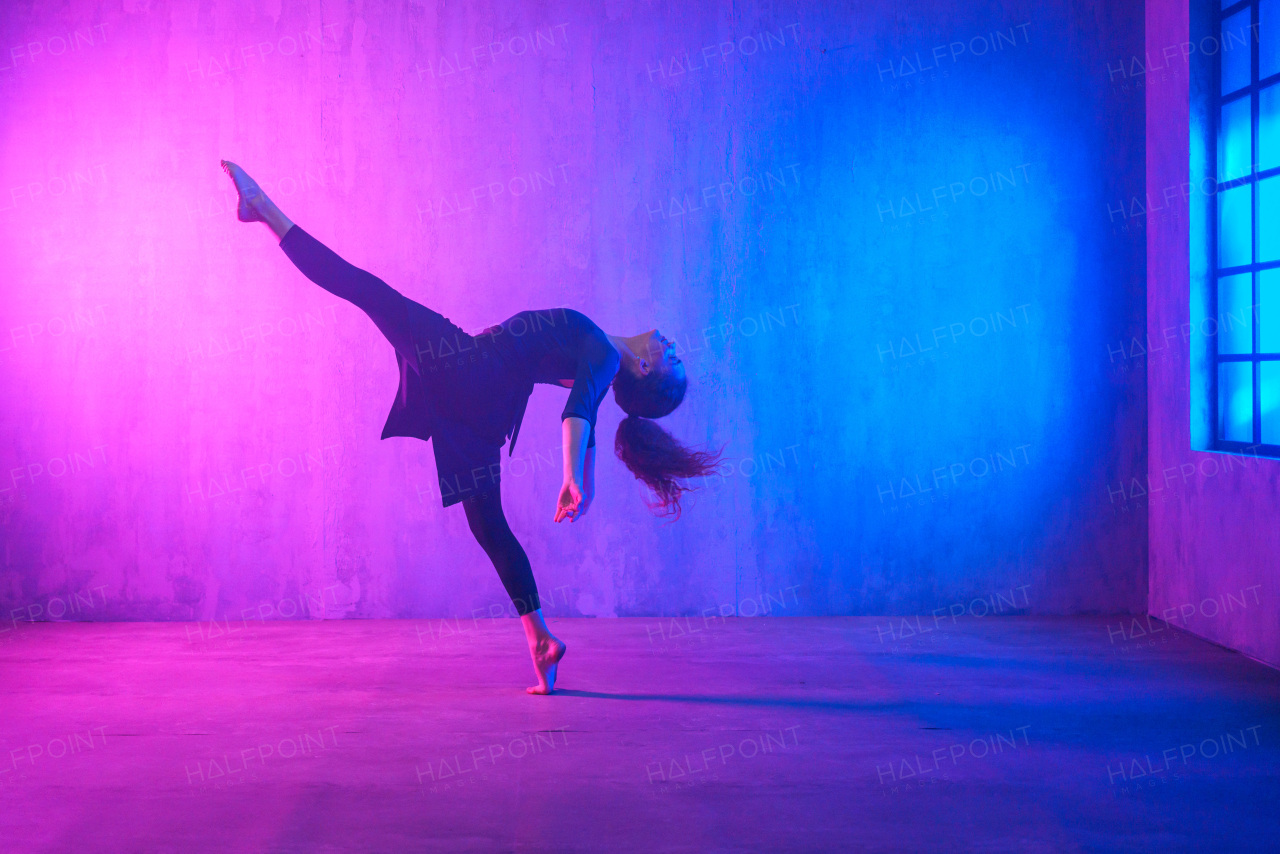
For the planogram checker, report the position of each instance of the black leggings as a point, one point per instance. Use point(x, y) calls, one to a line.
point(489, 525)
point(385, 306)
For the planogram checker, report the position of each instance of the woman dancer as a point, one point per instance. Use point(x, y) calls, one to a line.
point(467, 394)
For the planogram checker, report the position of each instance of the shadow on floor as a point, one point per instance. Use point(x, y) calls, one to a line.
point(782, 702)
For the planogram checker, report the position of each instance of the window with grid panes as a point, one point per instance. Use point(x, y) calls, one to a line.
point(1246, 292)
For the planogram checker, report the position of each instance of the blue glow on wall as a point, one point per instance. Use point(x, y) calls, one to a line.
point(1235, 225)
point(1235, 320)
point(1234, 141)
point(1235, 401)
point(1269, 382)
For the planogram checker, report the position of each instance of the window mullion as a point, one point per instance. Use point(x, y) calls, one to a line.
point(1255, 161)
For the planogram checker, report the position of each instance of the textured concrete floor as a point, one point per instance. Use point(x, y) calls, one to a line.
point(1003, 734)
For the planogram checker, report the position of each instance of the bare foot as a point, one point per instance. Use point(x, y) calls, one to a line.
point(546, 654)
point(251, 195)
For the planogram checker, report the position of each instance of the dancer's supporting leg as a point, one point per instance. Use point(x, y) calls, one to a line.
point(489, 524)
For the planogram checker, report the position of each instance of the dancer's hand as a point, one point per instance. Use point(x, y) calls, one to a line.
point(571, 504)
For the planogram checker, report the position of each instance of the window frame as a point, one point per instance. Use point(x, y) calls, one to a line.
point(1253, 179)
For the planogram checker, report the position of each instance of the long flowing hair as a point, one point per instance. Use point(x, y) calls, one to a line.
point(652, 454)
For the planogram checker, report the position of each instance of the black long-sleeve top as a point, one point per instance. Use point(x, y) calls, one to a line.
point(484, 381)
point(554, 345)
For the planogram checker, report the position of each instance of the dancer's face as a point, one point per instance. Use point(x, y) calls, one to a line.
point(658, 354)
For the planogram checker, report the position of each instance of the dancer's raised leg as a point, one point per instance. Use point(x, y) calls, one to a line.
point(386, 306)
point(254, 206)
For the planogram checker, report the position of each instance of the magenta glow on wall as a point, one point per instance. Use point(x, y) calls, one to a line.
point(190, 427)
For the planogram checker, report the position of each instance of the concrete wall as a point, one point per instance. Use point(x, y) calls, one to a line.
point(885, 236)
point(1214, 543)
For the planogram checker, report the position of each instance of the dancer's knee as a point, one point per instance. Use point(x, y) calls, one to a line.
point(487, 523)
point(480, 529)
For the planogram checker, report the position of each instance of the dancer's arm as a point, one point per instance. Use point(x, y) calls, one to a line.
point(598, 363)
point(572, 502)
